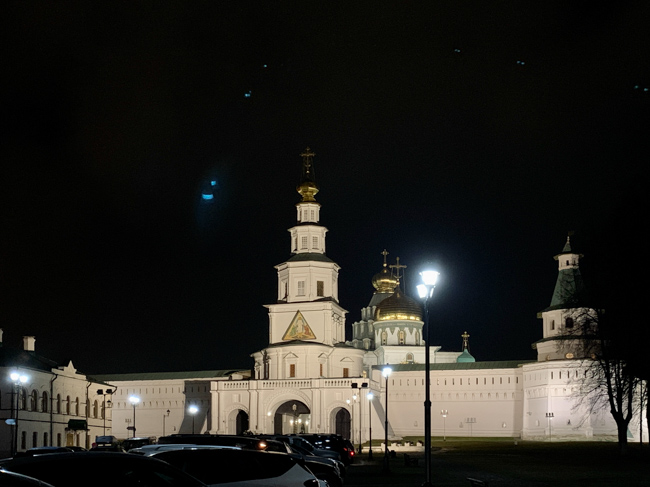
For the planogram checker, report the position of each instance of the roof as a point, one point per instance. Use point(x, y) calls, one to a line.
point(500, 364)
point(289, 343)
point(307, 256)
point(192, 374)
point(13, 357)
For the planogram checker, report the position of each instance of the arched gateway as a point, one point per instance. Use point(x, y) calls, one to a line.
point(292, 417)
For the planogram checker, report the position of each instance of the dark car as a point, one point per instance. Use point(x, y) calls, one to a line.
point(13, 479)
point(100, 469)
point(250, 467)
point(332, 442)
point(244, 442)
point(44, 450)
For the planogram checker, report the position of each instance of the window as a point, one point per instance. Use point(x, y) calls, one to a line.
point(569, 323)
point(301, 288)
point(46, 439)
point(58, 439)
point(76, 407)
point(58, 405)
point(321, 370)
point(320, 288)
point(23, 399)
point(67, 405)
point(384, 337)
point(303, 242)
point(23, 440)
point(552, 324)
point(45, 407)
point(34, 439)
point(346, 372)
point(314, 242)
point(402, 337)
point(95, 407)
point(33, 401)
point(292, 370)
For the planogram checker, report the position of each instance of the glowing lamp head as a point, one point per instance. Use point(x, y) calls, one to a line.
point(193, 409)
point(134, 400)
point(370, 396)
point(386, 372)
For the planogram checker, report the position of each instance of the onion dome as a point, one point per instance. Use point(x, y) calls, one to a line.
point(384, 282)
point(398, 307)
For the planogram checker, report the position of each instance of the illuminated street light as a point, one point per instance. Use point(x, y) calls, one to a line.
point(386, 373)
point(18, 380)
point(193, 409)
point(134, 400)
point(444, 413)
point(425, 290)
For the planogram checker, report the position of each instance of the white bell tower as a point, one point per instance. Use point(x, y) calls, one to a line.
point(307, 308)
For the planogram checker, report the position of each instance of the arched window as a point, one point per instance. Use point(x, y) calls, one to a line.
point(569, 323)
point(401, 337)
point(95, 409)
point(76, 407)
point(45, 403)
point(33, 401)
point(384, 337)
point(67, 405)
point(58, 405)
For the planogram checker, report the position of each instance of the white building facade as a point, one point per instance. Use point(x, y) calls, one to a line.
point(46, 404)
point(310, 379)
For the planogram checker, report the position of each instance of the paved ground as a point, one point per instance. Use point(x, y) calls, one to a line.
point(511, 465)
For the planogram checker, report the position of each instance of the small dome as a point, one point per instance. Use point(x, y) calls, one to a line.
point(398, 307)
point(465, 357)
point(384, 282)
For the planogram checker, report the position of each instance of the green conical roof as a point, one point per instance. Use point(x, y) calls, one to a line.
point(569, 289)
point(465, 357)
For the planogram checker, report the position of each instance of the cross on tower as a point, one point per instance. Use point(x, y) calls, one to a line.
point(397, 266)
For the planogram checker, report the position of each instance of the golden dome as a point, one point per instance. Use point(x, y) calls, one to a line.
point(384, 282)
point(398, 307)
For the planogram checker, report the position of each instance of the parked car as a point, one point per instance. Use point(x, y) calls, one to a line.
point(13, 479)
point(244, 442)
point(333, 442)
point(148, 450)
point(227, 467)
point(330, 469)
point(43, 450)
point(100, 469)
point(131, 443)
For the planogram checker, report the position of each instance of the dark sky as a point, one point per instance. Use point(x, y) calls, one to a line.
point(471, 134)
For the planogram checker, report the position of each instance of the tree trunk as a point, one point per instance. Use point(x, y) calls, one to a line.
point(621, 427)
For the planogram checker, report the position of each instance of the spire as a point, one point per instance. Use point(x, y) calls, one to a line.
point(569, 289)
point(384, 281)
point(465, 356)
point(465, 337)
point(307, 187)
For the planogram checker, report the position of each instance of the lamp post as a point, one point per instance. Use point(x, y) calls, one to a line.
point(444, 413)
point(18, 380)
point(425, 290)
point(370, 396)
point(193, 409)
point(549, 417)
point(351, 420)
point(100, 392)
point(164, 418)
point(134, 400)
point(386, 373)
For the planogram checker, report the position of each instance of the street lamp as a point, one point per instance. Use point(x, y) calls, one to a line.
point(100, 392)
point(386, 373)
point(549, 417)
point(444, 413)
point(193, 409)
point(134, 400)
point(351, 420)
point(370, 396)
point(425, 290)
point(164, 418)
point(18, 380)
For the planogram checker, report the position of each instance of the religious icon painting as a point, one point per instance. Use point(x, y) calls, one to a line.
point(299, 329)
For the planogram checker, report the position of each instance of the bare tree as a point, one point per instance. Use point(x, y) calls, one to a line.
point(607, 380)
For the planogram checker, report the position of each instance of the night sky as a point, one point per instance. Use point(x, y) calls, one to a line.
point(474, 135)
